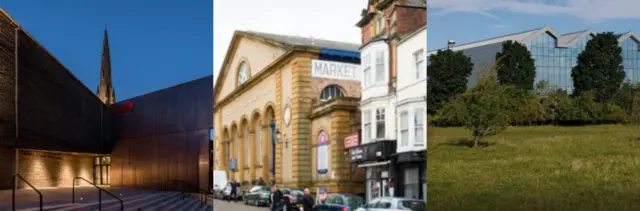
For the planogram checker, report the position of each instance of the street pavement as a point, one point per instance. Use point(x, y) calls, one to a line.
point(220, 205)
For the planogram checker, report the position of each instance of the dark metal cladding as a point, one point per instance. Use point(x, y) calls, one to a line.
point(166, 136)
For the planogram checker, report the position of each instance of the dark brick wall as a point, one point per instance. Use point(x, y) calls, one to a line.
point(55, 110)
point(409, 19)
point(7, 81)
point(166, 136)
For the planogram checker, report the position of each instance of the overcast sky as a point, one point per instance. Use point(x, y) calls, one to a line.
point(326, 19)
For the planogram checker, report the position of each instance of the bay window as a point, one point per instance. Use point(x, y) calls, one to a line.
point(380, 130)
point(404, 129)
point(419, 127)
point(366, 118)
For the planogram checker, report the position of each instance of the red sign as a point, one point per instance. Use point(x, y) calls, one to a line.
point(351, 140)
point(124, 108)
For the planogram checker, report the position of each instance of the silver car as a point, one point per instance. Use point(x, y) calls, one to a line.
point(393, 204)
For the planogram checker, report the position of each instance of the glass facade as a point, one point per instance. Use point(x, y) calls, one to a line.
point(554, 64)
point(630, 60)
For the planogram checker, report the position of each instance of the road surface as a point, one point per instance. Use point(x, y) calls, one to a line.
point(220, 205)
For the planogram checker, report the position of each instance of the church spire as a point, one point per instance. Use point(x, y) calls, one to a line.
point(105, 88)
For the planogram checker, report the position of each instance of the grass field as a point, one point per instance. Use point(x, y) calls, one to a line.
point(536, 168)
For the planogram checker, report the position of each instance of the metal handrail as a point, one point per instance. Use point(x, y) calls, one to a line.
point(203, 194)
point(13, 194)
point(73, 194)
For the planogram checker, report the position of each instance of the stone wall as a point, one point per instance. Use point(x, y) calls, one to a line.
point(48, 169)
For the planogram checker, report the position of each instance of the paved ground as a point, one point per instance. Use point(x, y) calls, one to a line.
point(237, 206)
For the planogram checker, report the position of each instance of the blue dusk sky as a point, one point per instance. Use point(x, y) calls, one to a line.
point(472, 20)
point(154, 44)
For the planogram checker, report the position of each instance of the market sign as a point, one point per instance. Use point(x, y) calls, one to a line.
point(351, 141)
point(335, 70)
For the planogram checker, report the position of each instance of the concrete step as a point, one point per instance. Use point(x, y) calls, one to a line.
point(165, 203)
point(71, 206)
point(110, 203)
point(138, 204)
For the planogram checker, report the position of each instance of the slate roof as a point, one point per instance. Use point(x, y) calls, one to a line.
point(307, 41)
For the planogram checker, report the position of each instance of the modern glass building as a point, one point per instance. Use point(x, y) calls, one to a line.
point(555, 54)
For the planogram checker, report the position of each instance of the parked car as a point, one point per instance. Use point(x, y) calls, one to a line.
point(226, 192)
point(340, 202)
point(291, 197)
point(393, 204)
point(258, 196)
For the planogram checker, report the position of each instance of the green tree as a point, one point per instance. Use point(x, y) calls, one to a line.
point(515, 66)
point(525, 107)
point(448, 75)
point(599, 67)
point(482, 109)
point(624, 97)
point(635, 105)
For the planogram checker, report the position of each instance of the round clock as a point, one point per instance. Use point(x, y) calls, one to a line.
point(287, 115)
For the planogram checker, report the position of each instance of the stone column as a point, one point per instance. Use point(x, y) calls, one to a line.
point(340, 128)
point(301, 97)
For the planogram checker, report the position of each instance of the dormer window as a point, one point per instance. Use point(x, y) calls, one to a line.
point(243, 73)
point(330, 92)
point(379, 24)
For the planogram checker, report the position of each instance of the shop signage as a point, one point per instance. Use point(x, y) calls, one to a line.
point(323, 156)
point(335, 70)
point(375, 151)
point(351, 141)
point(357, 154)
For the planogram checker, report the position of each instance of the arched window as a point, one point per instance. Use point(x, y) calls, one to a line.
point(258, 130)
point(243, 73)
point(330, 92)
point(247, 146)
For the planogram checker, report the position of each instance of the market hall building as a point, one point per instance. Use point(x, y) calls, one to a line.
point(283, 106)
point(53, 128)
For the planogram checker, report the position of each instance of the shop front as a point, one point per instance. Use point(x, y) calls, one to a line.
point(411, 171)
point(376, 159)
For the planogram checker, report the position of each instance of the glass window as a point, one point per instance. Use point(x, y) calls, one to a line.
point(373, 203)
point(418, 58)
point(247, 147)
point(236, 146)
point(380, 127)
point(330, 92)
point(412, 183)
point(404, 129)
point(227, 150)
point(380, 66)
point(412, 205)
point(366, 61)
point(384, 204)
point(418, 118)
point(335, 199)
point(243, 73)
point(366, 119)
point(379, 24)
point(354, 201)
point(258, 130)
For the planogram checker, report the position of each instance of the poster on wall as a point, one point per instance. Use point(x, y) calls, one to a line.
point(323, 153)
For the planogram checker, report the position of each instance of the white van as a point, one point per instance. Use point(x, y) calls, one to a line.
point(220, 180)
